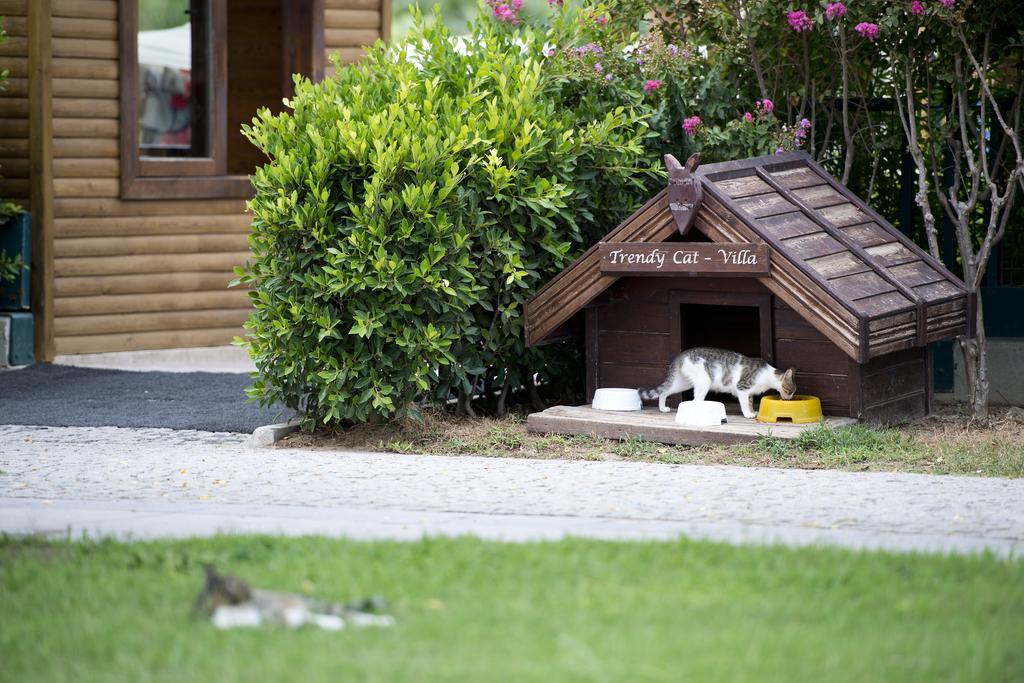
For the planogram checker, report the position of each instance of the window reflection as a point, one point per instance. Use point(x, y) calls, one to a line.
point(171, 56)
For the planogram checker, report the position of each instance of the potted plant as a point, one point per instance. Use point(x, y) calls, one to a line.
point(15, 255)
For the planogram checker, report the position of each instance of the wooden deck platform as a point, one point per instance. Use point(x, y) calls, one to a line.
point(652, 425)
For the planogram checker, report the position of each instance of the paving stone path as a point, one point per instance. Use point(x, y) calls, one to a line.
point(145, 483)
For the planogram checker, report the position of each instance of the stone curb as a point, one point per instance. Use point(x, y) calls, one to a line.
point(268, 435)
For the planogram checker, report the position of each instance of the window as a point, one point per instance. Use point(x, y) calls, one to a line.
point(193, 71)
point(173, 75)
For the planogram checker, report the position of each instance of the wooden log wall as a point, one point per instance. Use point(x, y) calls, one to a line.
point(128, 275)
point(14, 104)
point(350, 25)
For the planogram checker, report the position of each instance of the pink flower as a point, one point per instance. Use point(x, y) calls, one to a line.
point(799, 21)
point(867, 30)
point(598, 68)
point(917, 7)
point(947, 3)
point(805, 124)
point(651, 86)
point(506, 11)
point(608, 78)
point(672, 49)
point(835, 10)
point(691, 125)
point(780, 151)
point(748, 117)
point(765, 106)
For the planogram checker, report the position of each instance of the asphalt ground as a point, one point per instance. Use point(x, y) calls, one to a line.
point(64, 396)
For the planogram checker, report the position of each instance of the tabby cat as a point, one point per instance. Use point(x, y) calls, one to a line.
point(705, 369)
point(230, 602)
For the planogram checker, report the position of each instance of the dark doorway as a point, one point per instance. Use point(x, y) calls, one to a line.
point(267, 42)
point(737, 328)
point(255, 72)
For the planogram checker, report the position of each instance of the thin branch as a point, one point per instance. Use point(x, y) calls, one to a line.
point(828, 130)
point(907, 115)
point(755, 55)
point(938, 179)
point(807, 77)
point(982, 141)
point(965, 208)
point(983, 77)
point(847, 136)
point(814, 122)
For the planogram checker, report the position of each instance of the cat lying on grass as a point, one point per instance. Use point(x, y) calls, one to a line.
point(705, 369)
point(229, 602)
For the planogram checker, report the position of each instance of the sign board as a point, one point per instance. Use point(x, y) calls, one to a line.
point(669, 258)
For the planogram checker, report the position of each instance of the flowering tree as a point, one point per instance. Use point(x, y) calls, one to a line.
point(809, 60)
point(953, 71)
point(755, 133)
point(676, 81)
point(853, 83)
point(957, 81)
point(602, 57)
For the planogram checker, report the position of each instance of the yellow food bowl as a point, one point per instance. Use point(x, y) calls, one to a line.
point(798, 410)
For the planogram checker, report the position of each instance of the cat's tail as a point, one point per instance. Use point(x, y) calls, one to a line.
point(369, 605)
point(656, 392)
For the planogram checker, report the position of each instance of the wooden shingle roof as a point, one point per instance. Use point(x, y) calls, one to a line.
point(849, 272)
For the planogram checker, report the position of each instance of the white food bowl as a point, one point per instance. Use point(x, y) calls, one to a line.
point(616, 399)
point(701, 413)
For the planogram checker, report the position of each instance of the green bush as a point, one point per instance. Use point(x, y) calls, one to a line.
point(412, 203)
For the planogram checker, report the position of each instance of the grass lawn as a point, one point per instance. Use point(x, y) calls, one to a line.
point(469, 610)
point(946, 443)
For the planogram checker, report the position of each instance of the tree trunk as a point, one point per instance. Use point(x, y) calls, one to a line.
point(464, 406)
point(488, 388)
point(847, 133)
point(531, 388)
point(501, 410)
point(975, 352)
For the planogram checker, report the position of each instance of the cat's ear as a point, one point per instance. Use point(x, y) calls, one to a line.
point(212, 577)
point(789, 375)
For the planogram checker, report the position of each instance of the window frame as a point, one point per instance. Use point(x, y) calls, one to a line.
point(164, 177)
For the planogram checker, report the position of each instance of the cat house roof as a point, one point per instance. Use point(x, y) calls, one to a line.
point(833, 259)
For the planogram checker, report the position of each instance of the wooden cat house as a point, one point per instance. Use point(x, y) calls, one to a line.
point(771, 257)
